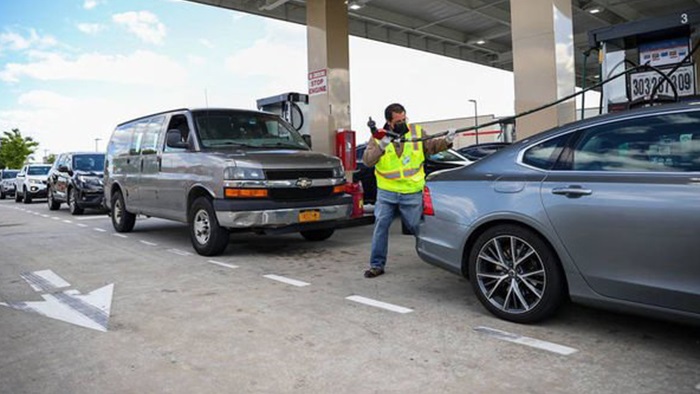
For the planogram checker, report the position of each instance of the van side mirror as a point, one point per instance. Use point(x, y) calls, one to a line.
point(62, 168)
point(174, 140)
point(307, 139)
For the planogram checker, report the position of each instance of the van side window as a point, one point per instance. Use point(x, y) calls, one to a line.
point(149, 143)
point(139, 131)
point(178, 122)
point(121, 141)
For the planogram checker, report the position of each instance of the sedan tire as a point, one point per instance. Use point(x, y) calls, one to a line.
point(515, 274)
point(27, 198)
point(208, 238)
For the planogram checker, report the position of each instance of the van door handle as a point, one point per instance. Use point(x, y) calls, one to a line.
point(160, 163)
point(572, 191)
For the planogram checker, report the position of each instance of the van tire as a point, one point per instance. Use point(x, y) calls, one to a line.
point(122, 220)
point(208, 238)
point(317, 235)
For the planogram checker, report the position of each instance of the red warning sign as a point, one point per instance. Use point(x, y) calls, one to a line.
point(318, 82)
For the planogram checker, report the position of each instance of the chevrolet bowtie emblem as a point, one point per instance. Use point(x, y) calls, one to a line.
point(304, 183)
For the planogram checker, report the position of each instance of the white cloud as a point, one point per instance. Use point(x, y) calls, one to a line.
point(140, 67)
point(206, 43)
point(90, 28)
point(143, 24)
point(90, 4)
point(17, 42)
point(44, 99)
point(196, 60)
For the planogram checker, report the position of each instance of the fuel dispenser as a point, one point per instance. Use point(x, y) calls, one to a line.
point(292, 107)
point(665, 45)
point(345, 149)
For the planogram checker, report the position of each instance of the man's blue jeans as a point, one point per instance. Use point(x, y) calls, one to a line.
point(388, 204)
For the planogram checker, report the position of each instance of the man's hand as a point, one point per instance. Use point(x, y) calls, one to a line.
point(451, 134)
point(379, 134)
point(384, 142)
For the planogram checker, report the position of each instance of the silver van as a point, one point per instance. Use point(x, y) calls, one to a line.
point(220, 171)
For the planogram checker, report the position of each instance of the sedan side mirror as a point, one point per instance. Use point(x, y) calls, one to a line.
point(174, 140)
point(63, 168)
point(20, 175)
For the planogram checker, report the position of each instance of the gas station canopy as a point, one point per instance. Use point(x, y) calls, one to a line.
point(478, 31)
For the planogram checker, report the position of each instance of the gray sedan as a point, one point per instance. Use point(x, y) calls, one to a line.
point(604, 211)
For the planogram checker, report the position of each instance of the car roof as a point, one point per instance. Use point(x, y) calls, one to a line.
point(196, 110)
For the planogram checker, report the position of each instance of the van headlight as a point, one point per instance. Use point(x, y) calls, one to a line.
point(338, 172)
point(243, 173)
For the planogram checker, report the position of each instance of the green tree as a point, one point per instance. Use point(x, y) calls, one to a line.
point(50, 159)
point(15, 149)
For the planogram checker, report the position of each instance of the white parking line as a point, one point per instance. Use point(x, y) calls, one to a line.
point(45, 216)
point(532, 342)
point(55, 218)
point(288, 281)
point(179, 252)
point(148, 243)
point(93, 217)
point(379, 304)
point(100, 229)
point(82, 225)
point(120, 235)
point(67, 221)
point(222, 264)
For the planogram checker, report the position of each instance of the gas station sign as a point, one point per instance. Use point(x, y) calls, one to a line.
point(642, 84)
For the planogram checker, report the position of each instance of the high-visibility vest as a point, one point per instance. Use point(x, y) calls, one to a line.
point(402, 174)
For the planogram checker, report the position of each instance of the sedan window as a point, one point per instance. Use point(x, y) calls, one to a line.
point(662, 143)
point(545, 154)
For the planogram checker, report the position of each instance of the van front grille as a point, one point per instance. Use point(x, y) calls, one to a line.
point(278, 175)
point(293, 194)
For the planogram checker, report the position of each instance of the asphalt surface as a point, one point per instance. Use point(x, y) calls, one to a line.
point(183, 323)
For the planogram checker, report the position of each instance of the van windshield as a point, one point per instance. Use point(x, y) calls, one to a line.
point(235, 129)
point(94, 163)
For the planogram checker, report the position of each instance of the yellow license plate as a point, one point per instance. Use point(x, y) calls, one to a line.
point(309, 216)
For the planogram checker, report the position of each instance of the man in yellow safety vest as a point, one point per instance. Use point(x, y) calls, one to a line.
point(398, 167)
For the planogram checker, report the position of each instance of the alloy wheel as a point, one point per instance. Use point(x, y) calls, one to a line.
point(510, 274)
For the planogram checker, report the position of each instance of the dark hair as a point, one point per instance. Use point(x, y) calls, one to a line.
point(395, 108)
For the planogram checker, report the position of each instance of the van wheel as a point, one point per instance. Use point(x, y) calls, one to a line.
point(122, 220)
point(53, 204)
point(27, 197)
point(73, 202)
point(208, 238)
point(317, 235)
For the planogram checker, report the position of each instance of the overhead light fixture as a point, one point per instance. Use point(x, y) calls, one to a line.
point(480, 42)
point(354, 5)
point(594, 10)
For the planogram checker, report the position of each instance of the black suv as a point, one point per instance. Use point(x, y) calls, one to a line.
point(77, 179)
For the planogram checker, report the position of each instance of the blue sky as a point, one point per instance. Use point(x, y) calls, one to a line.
point(70, 70)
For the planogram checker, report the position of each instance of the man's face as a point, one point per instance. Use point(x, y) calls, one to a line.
point(397, 118)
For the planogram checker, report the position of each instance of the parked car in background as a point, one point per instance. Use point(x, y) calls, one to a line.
point(7, 183)
point(479, 151)
point(439, 161)
point(31, 182)
point(222, 170)
point(605, 211)
point(77, 179)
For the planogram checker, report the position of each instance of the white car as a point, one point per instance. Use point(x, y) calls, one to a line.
point(31, 182)
point(7, 183)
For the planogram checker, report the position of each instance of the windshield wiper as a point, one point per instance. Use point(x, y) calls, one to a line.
point(283, 145)
point(230, 143)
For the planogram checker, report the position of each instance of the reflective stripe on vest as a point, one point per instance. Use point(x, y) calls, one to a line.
point(402, 174)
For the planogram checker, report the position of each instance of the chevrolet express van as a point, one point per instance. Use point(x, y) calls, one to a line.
point(222, 171)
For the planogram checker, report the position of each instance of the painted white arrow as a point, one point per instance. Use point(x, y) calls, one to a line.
point(90, 310)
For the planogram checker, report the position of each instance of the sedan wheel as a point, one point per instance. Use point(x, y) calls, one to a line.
point(515, 274)
point(53, 204)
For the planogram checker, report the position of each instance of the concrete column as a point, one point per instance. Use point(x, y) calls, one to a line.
point(328, 51)
point(543, 62)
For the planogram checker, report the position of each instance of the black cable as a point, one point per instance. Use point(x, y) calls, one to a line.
point(540, 108)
